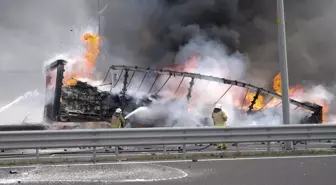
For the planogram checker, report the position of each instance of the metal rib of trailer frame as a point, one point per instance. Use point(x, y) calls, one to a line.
point(266, 103)
point(108, 72)
point(227, 90)
point(121, 72)
point(210, 78)
point(163, 85)
point(253, 102)
point(242, 105)
point(142, 81)
point(131, 79)
point(191, 85)
point(178, 87)
point(156, 78)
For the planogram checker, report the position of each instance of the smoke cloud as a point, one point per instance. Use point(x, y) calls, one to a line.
point(158, 32)
point(238, 37)
point(31, 33)
point(151, 33)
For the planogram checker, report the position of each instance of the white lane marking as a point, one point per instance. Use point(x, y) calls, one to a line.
point(182, 175)
point(172, 161)
point(9, 181)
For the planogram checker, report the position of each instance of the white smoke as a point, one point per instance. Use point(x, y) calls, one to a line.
point(27, 108)
point(75, 53)
point(52, 27)
point(213, 59)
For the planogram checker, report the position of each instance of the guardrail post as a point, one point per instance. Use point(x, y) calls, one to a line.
point(94, 154)
point(116, 152)
point(37, 155)
point(184, 152)
point(164, 149)
point(237, 147)
point(269, 147)
point(306, 145)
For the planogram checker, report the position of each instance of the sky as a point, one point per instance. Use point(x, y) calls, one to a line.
point(148, 33)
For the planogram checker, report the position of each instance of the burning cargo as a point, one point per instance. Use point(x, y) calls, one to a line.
point(185, 96)
point(84, 102)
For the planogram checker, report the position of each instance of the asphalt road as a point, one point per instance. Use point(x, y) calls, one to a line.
point(264, 171)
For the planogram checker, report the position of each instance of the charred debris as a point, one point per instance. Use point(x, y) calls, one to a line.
point(85, 103)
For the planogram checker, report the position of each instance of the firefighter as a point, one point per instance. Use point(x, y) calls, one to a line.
point(117, 120)
point(219, 117)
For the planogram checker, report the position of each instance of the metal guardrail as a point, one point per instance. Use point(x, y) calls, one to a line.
point(163, 136)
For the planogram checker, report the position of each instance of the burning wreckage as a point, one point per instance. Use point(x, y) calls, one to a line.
point(81, 102)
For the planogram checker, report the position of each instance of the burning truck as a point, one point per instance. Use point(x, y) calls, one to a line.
point(71, 97)
point(81, 102)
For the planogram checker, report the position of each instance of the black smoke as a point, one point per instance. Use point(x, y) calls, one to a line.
point(150, 33)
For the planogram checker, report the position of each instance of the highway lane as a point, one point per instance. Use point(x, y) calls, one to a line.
point(263, 171)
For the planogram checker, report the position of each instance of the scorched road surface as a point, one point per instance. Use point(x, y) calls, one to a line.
point(263, 171)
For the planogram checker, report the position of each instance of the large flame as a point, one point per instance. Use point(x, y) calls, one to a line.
point(92, 43)
point(298, 89)
point(247, 97)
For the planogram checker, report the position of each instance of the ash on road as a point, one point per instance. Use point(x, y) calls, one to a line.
point(264, 171)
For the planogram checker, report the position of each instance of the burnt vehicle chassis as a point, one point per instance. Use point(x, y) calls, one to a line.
point(83, 102)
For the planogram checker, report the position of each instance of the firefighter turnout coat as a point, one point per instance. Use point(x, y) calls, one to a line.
point(219, 118)
point(117, 121)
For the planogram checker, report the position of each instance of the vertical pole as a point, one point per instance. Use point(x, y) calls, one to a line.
point(306, 145)
point(94, 155)
point(116, 148)
point(37, 155)
point(191, 84)
point(113, 81)
point(98, 16)
point(58, 89)
point(124, 89)
point(164, 149)
point(99, 57)
point(237, 147)
point(283, 65)
point(269, 147)
point(184, 152)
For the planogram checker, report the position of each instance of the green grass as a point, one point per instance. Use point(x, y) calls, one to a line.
point(168, 157)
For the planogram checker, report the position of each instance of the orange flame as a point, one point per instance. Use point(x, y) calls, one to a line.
point(298, 89)
point(260, 102)
point(189, 66)
point(92, 42)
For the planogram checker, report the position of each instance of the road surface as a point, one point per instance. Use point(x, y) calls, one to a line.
point(263, 171)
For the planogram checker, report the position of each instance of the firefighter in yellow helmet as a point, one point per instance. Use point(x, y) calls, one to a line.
point(219, 117)
point(117, 120)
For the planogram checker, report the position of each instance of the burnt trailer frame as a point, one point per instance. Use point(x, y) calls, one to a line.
point(53, 113)
point(52, 107)
point(317, 110)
